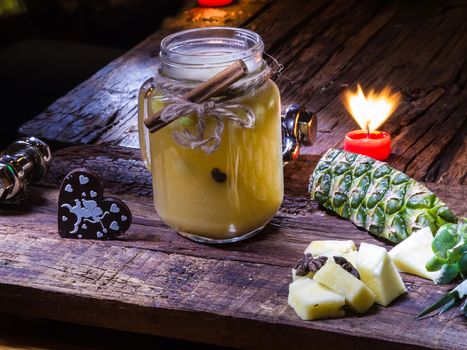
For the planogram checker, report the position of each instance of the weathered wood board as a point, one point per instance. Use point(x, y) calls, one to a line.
point(154, 281)
point(417, 47)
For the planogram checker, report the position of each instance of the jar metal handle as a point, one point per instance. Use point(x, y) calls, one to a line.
point(299, 127)
point(143, 102)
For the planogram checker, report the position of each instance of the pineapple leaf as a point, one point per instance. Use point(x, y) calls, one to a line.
point(448, 300)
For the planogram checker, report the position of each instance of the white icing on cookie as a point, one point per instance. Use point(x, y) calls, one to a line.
point(85, 210)
point(114, 226)
point(114, 208)
point(83, 180)
point(69, 188)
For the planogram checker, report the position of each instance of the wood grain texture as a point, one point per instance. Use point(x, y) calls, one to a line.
point(417, 47)
point(154, 281)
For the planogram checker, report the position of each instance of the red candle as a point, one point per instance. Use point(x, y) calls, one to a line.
point(376, 144)
point(214, 3)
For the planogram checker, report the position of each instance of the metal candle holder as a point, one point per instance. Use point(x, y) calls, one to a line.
point(25, 161)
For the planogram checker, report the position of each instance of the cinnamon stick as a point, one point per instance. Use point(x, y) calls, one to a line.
point(204, 91)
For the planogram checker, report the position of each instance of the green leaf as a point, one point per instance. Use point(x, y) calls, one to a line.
point(448, 273)
point(449, 306)
point(461, 289)
point(445, 239)
point(463, 264)
point(435, 263)
point(456, 252)
point(464, 308)
point(448, 300)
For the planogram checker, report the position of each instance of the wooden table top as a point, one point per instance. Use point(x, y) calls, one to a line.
point(152, 280)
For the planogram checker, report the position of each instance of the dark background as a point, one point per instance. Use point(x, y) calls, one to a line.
point(47, 47)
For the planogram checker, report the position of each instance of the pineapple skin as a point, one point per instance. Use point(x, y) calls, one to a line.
point(375, 196)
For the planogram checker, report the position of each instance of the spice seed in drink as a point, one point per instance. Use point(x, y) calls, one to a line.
point(218, 175)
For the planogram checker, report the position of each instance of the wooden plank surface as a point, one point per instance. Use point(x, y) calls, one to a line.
point(417, 47)
point(153, 281)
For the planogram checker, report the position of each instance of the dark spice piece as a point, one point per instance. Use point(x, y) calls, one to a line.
point(346, 265)
point(218, 175)
point(309, 264)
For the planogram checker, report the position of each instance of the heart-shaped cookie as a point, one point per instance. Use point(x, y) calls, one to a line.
point(83, 212)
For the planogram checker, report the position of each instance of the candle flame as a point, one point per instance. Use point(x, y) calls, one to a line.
point(372, 110)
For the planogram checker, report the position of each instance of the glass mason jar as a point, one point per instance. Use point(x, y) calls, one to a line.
point(231, 193)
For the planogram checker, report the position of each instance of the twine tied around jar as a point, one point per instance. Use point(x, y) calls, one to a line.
point(221, 108)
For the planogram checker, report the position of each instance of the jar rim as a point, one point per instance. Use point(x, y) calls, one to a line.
point(210, 48)
point(167, 46)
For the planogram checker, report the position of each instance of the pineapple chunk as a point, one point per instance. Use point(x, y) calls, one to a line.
point(351, 257)
point(412, 254)
point(312, 301)
point(330, 248)
point(378, 272)
point(357, 295)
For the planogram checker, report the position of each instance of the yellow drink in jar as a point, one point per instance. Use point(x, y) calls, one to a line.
point(187, 195)
point(233, 192)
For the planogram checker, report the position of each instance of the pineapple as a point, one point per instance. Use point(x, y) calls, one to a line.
point(371, 194)
point(378, 272)
point(351, 257)
point(412, 254)
point(330, 248)
point(312, 301)
point(357, 295)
